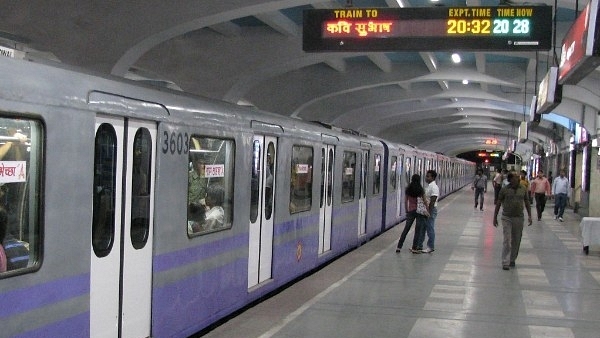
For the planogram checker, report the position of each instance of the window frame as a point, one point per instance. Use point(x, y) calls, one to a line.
point(35, 194)
point(310, 176)
point(228, 181)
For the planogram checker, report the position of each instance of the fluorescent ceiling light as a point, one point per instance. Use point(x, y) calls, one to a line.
point(455, 58)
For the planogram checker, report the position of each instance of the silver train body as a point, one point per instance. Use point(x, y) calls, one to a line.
point(144, 212)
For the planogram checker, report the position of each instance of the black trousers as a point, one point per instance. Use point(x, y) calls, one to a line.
point(540, 203)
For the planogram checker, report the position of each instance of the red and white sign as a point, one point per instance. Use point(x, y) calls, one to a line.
point(13, 171)
point(301, 168)
point(214, 170)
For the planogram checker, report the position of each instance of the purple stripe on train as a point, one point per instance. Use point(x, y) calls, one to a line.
point(183, 257)
point(74, 327)
point(30, 298)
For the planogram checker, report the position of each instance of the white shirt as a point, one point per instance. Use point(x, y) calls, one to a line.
point(432, 190)
point(215, 217)
point(560, 185)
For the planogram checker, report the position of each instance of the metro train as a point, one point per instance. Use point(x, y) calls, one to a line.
point(138, 211)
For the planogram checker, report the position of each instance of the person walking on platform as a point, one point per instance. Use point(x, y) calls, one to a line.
point(497, 184)
point(540, 188)
point(479, 185)
point(432, 191)
point(560, 191)
point(413, 190)
point(511, 199)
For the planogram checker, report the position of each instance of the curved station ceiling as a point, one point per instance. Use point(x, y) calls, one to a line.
point(251, 52)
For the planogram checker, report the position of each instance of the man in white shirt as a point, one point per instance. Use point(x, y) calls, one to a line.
point(432, 191)
point(560, 191)
point(497, 183)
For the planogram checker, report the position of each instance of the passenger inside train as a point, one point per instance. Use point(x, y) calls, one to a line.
point(214, 205)
point(210, 185)
point(197, 184)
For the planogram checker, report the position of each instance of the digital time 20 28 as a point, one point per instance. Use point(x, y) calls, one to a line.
point(457, 27)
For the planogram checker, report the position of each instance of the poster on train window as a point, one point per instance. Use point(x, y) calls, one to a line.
point(214, 170)
point(301, 168)
point(13, 171)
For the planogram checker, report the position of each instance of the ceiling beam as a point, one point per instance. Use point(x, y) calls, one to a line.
point(279, 22)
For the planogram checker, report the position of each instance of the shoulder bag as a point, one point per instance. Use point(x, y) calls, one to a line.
point(422, 207)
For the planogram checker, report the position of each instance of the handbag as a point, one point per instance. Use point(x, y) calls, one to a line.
point(422, 207)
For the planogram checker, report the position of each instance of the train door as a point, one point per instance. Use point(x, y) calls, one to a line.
point(260, 255)
point(326, 198)
point(399, 185)
point(362, 195)
point(122, 227)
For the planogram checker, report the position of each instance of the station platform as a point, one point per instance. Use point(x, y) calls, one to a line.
point(460, 290)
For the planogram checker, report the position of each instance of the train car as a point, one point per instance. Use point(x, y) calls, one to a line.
point(133, 211)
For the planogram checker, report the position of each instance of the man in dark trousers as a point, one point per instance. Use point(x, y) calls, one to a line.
point(479, 185)
point(512, 198)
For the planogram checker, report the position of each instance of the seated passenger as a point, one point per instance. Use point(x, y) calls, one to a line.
point(13, 253)
point(215, 215)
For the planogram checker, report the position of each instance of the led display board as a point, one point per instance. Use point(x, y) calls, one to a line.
point(514, 28)
point(580, 52)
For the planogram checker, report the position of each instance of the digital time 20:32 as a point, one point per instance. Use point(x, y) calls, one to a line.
point(518, 27)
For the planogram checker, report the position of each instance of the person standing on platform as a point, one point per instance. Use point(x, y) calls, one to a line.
point(540, 188)
point(560, 191)
point(497, 184)
point(511, 199)
point(525, 182)
point(432, 191)
point(413, 190)
point(479, 185)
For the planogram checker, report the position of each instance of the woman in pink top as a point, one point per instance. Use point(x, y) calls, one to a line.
point(413, 190)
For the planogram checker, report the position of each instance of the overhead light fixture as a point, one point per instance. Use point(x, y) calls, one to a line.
point(465, 82)
point(401, 3)
point(455, 58)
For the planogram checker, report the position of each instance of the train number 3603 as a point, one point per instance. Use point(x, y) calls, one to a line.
point(175, 143)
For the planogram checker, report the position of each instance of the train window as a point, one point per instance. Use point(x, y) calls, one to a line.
point(377, 174)
point(393, 172)
point(348, 176)
point(140, 188)
point(105, 166)
point(20, 175)
point(210, 185)
point(330, 163)
point(322, 197)
point(301, 179)
point(255, 179)
point(270, 168)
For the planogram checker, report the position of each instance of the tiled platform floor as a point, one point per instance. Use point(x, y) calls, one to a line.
point(459, 290)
